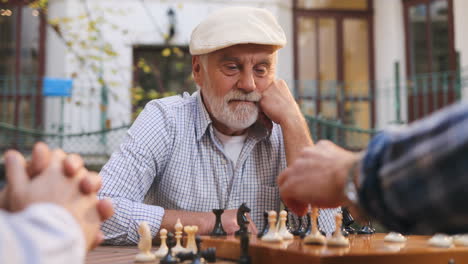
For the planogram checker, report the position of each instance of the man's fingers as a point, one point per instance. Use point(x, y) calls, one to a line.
point(105, 209)
point(15, 168)
point(72, 164)
point(91, 183)
point(97, 240)
point(40, 159)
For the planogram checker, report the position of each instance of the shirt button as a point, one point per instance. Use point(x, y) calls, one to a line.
point(223, 161)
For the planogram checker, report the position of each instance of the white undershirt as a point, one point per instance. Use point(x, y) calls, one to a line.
point(232, 144)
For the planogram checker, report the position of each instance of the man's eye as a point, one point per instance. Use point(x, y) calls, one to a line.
point(231, 67)
point(260, 70)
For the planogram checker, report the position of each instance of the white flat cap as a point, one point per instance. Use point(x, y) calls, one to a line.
point(236, 25)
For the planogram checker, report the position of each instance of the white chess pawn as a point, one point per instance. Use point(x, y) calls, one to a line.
point(315, 237)
point(338, 240)
point(144, 245)
point(272, 234)
point(283, 231)
point(162, 251)
point(191, 244)
point(178, 235)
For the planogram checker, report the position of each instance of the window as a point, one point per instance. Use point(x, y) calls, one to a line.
point(430, 55)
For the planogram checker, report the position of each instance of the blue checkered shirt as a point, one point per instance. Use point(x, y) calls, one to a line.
point(171, 159)
point(415, 179)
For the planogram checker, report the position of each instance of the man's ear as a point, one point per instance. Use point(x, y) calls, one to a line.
point(197, 70)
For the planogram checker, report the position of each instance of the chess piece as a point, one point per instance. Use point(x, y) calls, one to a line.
point(366, 229)
point(218, 229)
point(272, 235)
point(315, 237)
point(209, 254)
point(162, 251)
point(242, 220)
point(244, 250)
point(191, 231)
point(178, 235)
point(395, 237)
point(169, 259)
point(197, 258)
point(144, 245)
point(283, 231)
point(348, 220)
point(265, 225)
point(338, 240)
point(440, 240)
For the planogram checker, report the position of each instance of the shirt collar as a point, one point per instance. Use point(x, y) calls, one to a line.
point(257, 130)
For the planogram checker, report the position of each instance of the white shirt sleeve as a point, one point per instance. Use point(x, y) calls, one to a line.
point(42, 233)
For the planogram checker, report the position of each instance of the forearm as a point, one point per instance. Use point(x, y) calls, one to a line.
point(122, 227)
point(43, 233)
point(414, 180)
point(296, 136)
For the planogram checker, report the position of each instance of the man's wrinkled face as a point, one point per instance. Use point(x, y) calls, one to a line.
point(232, 80)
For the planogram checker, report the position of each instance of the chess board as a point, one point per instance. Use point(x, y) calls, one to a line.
point(363, 249)
point(122, 255)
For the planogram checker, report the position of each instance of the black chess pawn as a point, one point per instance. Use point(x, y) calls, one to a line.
point(244, 249)
point(347, 221)
point(169, 259)
point(218, 229)
point(367, 229)
point(242, 220)
point(266, 226)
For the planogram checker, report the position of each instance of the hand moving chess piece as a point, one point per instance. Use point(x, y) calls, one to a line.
point(191, 232)
point(283, 231)
point(162, 251)
point(338, 240)
point(178, 235)
point(242, 220)
point(169, 259)
point(315, 237)
point(144, 245)
point(218, 229)
point(272, 235)
point(265, 225)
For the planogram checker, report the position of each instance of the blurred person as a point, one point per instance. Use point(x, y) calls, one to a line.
point(217, 148)
point(49, 212)
point(411, 179)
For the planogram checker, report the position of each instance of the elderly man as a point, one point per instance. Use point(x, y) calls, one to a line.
point(221, 146)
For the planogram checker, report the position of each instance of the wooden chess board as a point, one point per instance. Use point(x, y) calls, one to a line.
point(122, 255)
point(363, 249)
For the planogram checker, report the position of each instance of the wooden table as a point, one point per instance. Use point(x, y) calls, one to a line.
point(363, 249)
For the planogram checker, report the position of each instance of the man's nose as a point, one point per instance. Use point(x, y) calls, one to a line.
point(247, 81)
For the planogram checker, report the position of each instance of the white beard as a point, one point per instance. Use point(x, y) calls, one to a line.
point(242, 116)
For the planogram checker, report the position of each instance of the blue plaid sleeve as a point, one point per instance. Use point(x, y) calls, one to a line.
point(414, 179)
point(131, 171)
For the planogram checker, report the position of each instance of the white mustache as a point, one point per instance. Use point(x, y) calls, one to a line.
point(241, 96)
